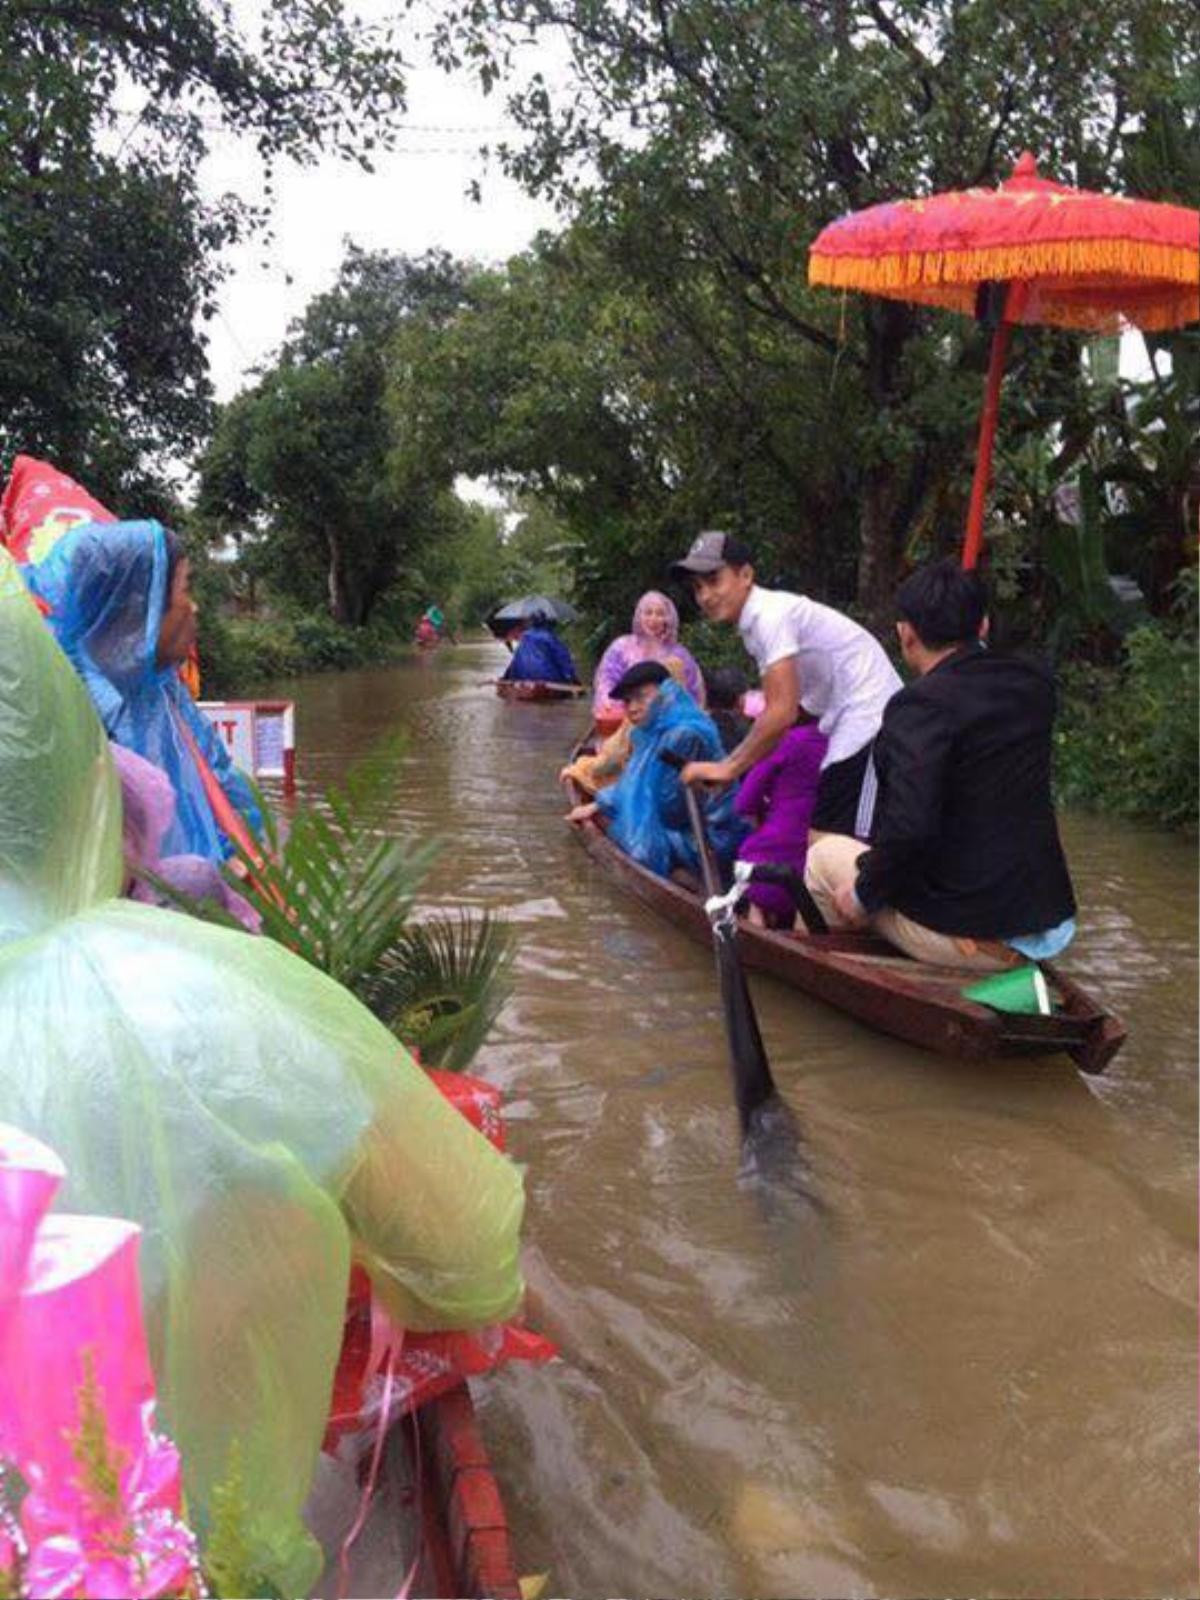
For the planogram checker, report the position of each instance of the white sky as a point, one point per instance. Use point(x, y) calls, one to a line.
point(415, 200)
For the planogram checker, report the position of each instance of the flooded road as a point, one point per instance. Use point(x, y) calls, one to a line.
point(971, 1372)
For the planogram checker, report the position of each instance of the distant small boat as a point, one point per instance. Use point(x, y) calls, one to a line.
point(530, 689)
point(863, 975)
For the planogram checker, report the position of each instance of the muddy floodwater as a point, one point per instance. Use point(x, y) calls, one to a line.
point(970, 1370)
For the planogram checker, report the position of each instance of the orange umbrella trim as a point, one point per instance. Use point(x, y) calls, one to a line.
point(1089, 260)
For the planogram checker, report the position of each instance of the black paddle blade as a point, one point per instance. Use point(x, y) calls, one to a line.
point(752, 1081)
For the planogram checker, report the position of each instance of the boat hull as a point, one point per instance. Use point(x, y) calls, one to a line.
point(521, 689)
point(467, 1549)
point(871, 980)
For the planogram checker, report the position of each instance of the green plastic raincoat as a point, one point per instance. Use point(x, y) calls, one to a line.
point(248, 1112)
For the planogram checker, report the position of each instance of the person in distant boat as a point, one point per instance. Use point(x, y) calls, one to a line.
point(120, 607)
point(646, 808)
point(654, 636)
point(539, 656)
point(726, 689)
point(965, 867)
point(433, 622)
point(777, 797)
point(809, 655)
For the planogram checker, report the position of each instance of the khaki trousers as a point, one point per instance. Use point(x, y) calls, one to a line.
point(832, 864)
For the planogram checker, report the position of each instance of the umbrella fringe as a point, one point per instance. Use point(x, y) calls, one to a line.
point(951, 276)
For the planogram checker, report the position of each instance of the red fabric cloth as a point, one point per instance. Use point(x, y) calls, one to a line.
point(39, 505)
point(428, 1363)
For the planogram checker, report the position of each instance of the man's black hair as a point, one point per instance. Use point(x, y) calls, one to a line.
point(724, 687)
point(944, 604)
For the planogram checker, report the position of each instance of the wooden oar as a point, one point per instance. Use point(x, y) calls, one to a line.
point(758, 1102)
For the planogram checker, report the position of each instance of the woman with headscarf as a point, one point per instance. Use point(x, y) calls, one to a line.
point(119, 606)
point(655, 637)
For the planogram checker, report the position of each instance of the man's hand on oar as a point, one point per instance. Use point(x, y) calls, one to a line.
point(716, 773)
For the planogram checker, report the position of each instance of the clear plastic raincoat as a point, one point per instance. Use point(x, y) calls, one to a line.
point(248, 1112)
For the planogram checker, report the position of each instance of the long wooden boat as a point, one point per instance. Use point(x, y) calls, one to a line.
point(531, 689)
point(466, 1546)
point(430, 1510)
point(868, 978)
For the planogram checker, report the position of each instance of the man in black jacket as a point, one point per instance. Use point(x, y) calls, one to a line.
point(964, 867)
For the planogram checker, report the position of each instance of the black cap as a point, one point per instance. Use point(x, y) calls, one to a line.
point(710, 551)
point(642, 673)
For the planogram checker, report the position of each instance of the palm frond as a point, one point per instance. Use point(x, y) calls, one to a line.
point(443, 984)
point(340, 890)
point(205, 910)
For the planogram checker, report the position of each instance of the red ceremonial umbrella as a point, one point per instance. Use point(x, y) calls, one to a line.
point(1030, 251)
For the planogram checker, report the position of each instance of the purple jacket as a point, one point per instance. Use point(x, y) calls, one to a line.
point(777, 795)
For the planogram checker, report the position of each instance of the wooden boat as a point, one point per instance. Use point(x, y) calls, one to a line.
point(466, 1545)
point(530, 689)
point(868, 978)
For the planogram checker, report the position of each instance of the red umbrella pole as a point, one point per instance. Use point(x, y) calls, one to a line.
point(973, 542)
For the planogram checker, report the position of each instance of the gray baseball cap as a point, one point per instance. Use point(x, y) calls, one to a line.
point(710, 551)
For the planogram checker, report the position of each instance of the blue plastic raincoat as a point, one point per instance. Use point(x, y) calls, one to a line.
point(646, 808)
point(541, 657)
point(106, 585)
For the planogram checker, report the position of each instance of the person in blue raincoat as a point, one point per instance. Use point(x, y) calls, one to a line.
point(120, 608)
point(646, 809)
point(540, 656)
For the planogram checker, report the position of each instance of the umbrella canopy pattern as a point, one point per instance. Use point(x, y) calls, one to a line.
point(527, 608)
point(1052, 255)
point(1084, 260)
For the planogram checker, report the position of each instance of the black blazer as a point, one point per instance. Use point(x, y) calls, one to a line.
point(964, 839)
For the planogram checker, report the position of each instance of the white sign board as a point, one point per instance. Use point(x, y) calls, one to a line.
point(234, 723)
point(258, 735)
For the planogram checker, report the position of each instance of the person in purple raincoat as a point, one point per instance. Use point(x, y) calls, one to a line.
point(655, 637)
point(777, 795)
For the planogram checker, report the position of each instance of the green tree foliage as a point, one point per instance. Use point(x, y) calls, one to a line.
point(109, 256)
point(1127, 740)
point(311, 458)
point(703, 143)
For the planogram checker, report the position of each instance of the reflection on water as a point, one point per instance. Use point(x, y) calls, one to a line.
point(970, 1371)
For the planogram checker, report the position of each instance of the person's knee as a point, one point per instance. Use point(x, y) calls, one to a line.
point(828, 862)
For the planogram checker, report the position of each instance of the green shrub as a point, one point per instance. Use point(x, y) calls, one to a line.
point(1127, 736)
point(239, 655)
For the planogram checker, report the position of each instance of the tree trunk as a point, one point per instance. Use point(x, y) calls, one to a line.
point(889, 326)
point(878, 559)
point(345, 598)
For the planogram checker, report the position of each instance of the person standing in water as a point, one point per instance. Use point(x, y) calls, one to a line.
point(809, 656)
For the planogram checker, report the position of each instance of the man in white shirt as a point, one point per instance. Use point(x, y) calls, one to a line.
point(811, 657)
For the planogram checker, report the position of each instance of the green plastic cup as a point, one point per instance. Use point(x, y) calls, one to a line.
point(1019, 989)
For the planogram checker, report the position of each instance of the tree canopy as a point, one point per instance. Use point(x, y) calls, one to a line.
point(110, 258)
point(702, 143)
point(341, 488)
